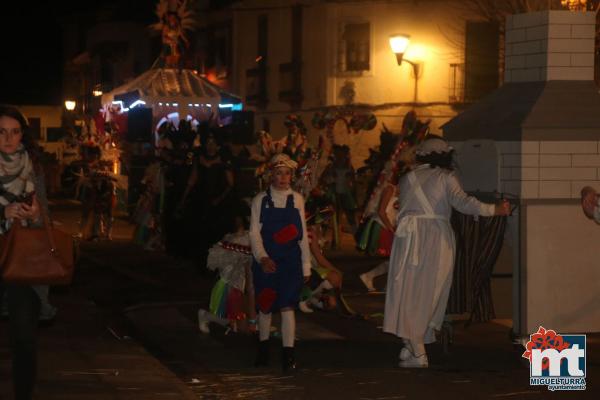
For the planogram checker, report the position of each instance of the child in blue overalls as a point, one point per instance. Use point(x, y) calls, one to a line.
point(281, 258)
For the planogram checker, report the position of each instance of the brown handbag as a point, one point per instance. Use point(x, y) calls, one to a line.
point(37, 256)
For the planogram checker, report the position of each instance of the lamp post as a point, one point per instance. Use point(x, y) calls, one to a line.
point(399, 43)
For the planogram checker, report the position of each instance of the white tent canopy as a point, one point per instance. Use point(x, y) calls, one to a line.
point(169, 90)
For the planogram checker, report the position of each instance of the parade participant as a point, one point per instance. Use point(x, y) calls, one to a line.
point(422, 259)
point(85, 192)
point(105, 196)
point(18, 204)
point(340, 176)
point(386, 221)
point(232, 297)
point(325, 281)
point(210, 193)
point(147, 215)
point(279, 243)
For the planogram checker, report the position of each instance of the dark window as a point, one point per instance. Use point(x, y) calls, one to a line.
point(290, 74)
point(55, 134)
point(35, 128)
point(481, 59)
point(263, 40)
point(357, 40)
point(256, 78)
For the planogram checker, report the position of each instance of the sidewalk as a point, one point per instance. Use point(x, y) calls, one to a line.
point(80, 358)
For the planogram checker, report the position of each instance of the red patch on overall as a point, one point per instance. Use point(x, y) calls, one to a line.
point(286, 234)
point(265, 299)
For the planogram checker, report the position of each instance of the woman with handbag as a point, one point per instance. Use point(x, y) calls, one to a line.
point(279, 242)
point(18, 204)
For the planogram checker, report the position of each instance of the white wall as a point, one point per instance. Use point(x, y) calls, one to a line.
point(549, 169)
point(437, 32)
point(561, 269)
point(50, 116)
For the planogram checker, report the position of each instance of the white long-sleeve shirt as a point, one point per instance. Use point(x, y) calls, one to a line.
point(279, 201)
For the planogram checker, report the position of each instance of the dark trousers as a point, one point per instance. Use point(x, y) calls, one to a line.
point(23, 314)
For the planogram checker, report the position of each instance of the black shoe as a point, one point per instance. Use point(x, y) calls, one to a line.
point(288, 362)
point(262, 355)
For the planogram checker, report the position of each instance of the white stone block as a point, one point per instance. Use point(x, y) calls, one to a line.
point(570, 45)
point(528, 20)
point(529, 47)
point(535, 60)
point(535, 33)
point(555, 160)
point(568, 17)
point(568, 173)
point(529, 147)
point(582, 60)
point(586, 160)
point(556, 31)
point(527, 75)
point(530, 190)
point(576, 187)
point(505, 174)
point(456, 145)
point(515, 62)
point(520, 160)
point(508, 147)
point(569, 147)
point(515, 35)
point(509, 23)
point(570, 74)
point(583, 31)
point(555, 189)
point(525, 190)
point(559, 59)
point(525, 174)
point(512, 187)
point(508, 49)
point(511, 160)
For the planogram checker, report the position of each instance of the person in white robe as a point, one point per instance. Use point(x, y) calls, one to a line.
point(422, 258)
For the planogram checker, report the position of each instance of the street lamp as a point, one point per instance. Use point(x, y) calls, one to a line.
point(399, 43)
point(70, 105)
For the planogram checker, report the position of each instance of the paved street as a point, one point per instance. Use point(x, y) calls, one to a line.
point(127, 329)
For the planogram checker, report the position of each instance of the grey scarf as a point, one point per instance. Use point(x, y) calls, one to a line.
point(16, 179)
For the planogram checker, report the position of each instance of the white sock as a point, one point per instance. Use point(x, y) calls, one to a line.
point(315, 302)
point(288, 328)
point(212, 318)
point(264, 326)
point(381, 269)
point(418, 349)
point(325, 285)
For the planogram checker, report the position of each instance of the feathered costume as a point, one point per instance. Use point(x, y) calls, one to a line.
point(372, 237)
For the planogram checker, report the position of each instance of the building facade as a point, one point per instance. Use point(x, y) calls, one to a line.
point(304, 56)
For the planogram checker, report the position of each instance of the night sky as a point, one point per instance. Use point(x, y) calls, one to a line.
point(32, 44)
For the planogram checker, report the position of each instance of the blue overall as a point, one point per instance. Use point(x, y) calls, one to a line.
point(286, 281)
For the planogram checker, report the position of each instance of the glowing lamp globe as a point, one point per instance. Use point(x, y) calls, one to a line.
point(399, 43)
point(70, 105)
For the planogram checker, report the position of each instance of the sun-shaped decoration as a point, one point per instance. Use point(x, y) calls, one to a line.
point(175, 18)
point(574, 5)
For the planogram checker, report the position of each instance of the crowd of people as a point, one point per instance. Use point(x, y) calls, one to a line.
point(268, 250)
